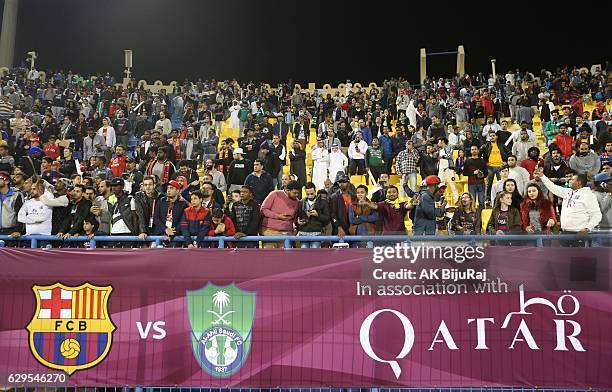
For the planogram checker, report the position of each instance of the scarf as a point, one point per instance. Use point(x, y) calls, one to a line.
point(165, 172)
point(397, 204)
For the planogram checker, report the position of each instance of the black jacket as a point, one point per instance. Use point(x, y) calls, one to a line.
point(246, 217)
point(124, 208)
point(159, 215)
point(144, 211)
point(74, 223)
point(238, 171)
point(485, 150)
point(339, 212)
point(314, 223)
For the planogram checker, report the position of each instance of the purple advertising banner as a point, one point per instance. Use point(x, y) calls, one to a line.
point(418, 316)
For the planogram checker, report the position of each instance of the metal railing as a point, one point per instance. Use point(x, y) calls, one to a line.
point(539, 240)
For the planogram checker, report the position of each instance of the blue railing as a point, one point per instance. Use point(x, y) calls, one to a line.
point(539, 240)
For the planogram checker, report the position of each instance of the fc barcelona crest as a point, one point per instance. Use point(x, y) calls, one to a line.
point(71, 328)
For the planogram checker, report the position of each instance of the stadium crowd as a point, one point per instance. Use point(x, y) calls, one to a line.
point(468, 155)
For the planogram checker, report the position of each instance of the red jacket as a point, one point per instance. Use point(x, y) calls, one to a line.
point(51, 150)
point(230, 230)
point(545, 214)
point(117, 165)
point(487, 103)
point(565, 143)
point(530, 165)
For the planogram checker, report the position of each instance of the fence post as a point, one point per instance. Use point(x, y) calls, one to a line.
point(33, 243)
point(221, 243)
point(157, 243)
point(92, 243)
point(287, 244)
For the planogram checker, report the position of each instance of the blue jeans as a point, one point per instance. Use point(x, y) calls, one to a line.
point(478, 192)
point(493, 172)
point(311, 245)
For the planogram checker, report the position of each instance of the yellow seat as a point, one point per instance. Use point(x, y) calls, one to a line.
point(485, 216)
point(358, 180)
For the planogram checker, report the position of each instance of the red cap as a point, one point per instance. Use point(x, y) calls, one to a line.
point(432, 180)
point(175, 184)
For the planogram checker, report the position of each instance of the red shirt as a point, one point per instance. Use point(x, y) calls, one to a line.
point(52, 151)
point(117, 165)
point(530, 165)
point(564, 142)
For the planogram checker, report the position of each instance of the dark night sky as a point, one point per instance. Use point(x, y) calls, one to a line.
point(313, 40)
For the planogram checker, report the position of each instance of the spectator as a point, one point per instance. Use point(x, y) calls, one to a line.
point(297, 163)
point(494, 153)
point(79, 209)
point(504, 219)
point(190, 175)
point(123, 211)
point(191, 148)
point(221, 225)
point(511, 187)
point(426, 211)
point(475, 169)
point(374, 159)
point(392, 211)
point(585, 161)
point(436, 130)
point(362, 217)
point(245, 214)
point(279, 210)
point(446, 169)
point(218, 179)
point(339, 203)
point(259, 181)
point(107, 132)
point(602, 191)
point(537, 212)
point(429, 162)
point(406, 165)
point(145, 206)
point(580, 211)
point(499, 185)
point(320, 164)
point(356, 153)
point(279, 154)
point(313, 216)
point(163, 123)
point(238, 170)
point(466, 219)
point(521, 147)
point(517, 173)
point(532, 161)
point(122, 128)
point(119, 162)
point(209, 144)
point(338, 162)
point(101, 170)
point(11, 202)
point(7, 162)
point(195, 222)
point(36, 216)
point(169, 211)
point(564, 141)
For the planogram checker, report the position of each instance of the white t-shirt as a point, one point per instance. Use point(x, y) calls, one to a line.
point(36, 216)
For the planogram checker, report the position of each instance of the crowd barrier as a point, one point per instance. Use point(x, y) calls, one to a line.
point(538, 240)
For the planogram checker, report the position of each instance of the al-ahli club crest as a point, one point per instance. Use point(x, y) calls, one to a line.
point(221, 319)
